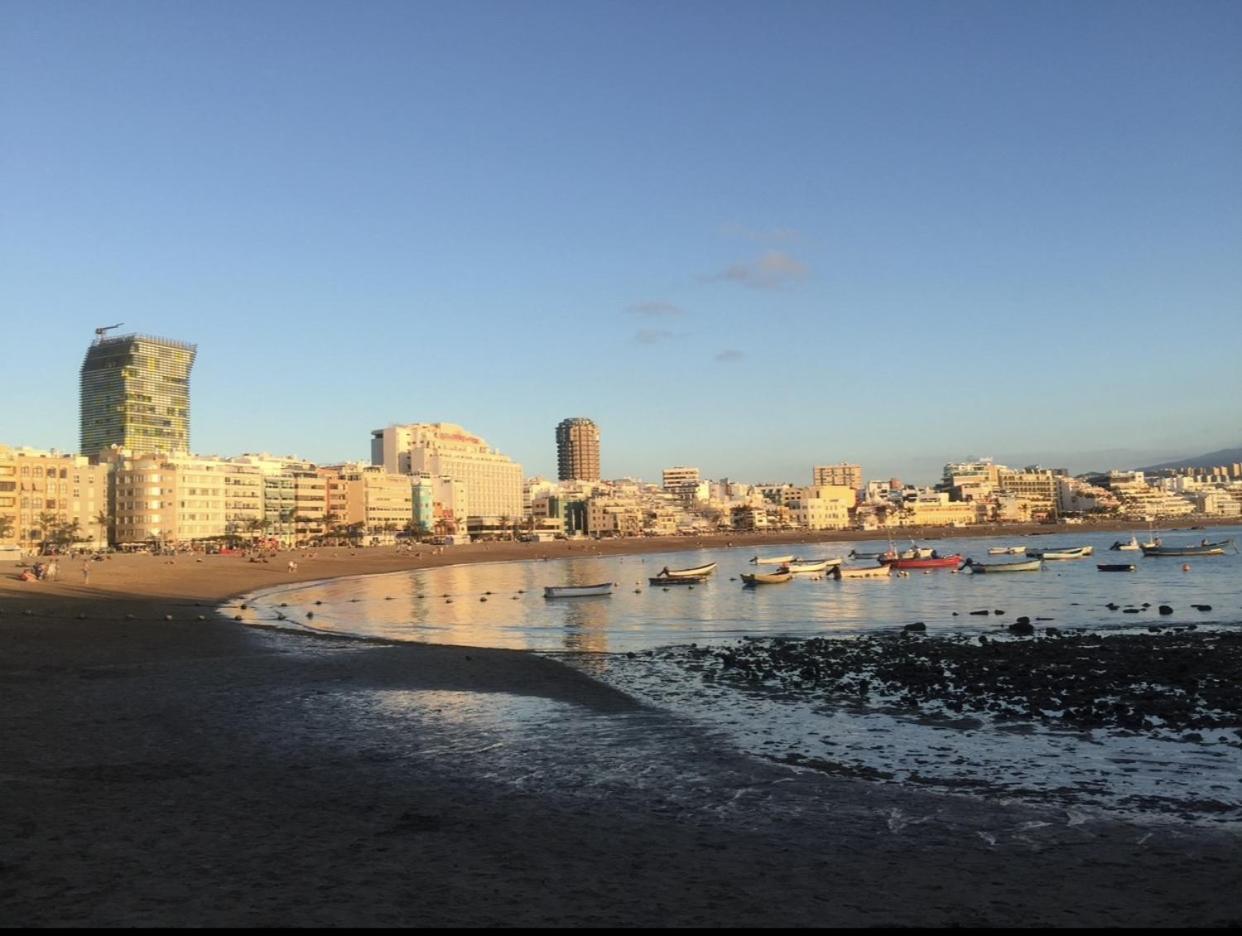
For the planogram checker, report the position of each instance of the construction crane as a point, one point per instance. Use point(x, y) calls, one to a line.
point(100, 332)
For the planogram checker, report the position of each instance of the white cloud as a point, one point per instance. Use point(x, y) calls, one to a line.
point(655, 309)
point(773, 270)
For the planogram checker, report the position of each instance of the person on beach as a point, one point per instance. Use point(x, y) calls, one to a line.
point(86, 572)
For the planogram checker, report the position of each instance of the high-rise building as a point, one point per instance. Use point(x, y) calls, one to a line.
point(577, 450)
point(844, 475)
point(135, 394)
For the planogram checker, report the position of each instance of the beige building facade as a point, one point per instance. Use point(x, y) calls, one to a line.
point(44, 492)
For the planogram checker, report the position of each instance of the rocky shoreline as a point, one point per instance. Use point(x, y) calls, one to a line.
point(1178, 680)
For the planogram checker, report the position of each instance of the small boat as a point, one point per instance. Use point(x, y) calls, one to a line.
point(1202, 549)
point(773, 560)
point(929, 562)
point(1116, 566)
point(1059, 552)
point(771, 578)
point(855, 554)
point(866, 572)
point(1130, 545)
point(577, 591)
point(1007, 551)
point(698, 572)
point(1026, 565)
point(810, 565)
point(666, 580)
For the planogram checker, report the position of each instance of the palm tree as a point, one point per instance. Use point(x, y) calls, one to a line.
point(101, 521)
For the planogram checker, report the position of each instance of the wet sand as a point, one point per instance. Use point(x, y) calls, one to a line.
point(194, 772)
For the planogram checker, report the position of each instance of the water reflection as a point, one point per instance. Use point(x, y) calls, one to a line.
point(502, 604)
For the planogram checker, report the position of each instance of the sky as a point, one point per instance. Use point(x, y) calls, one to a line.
point(751, 237)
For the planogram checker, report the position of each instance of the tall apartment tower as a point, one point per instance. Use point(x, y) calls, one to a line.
point(577, 450)
point(135, 393)
point(843, 475)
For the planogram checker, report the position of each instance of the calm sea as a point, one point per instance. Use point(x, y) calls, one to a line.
point(637, 639)
point(447, 605)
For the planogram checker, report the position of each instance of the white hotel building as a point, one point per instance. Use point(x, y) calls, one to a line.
point(491, 482)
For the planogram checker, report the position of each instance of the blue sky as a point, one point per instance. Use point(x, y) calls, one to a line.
point(751, 237)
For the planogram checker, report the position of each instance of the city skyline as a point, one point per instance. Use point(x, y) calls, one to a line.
point(994, 245)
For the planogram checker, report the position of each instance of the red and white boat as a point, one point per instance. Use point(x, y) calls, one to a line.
point(930, 562)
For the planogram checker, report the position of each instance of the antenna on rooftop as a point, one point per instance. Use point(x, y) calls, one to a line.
point(103, 330)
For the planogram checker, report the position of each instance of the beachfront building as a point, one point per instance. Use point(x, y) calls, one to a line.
point(611, 517)
point(50, 498)
point(823, 506)
point(491, 481)
point(933, 508)
point(577, 450)
point(293, 496)
point(682, 481)
point(135, 394)
point(1140, 500)
point(367, 500)
point(842, 475)
point(1075, 495)
point(1037, 486)
point(163, 500)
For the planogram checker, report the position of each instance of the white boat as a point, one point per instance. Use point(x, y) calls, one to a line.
point(866, 572)
point(773, 560)
point(1130, 545)
point(771, 578)
point(577, 591)
point(1007, 551)
point(1024, 565)
point(1073, 552)
point(816, 565)
point(698, 572)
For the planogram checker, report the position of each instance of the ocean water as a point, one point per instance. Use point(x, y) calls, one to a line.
point(638, 637)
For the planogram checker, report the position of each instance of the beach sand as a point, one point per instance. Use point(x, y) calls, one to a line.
point(196, 772)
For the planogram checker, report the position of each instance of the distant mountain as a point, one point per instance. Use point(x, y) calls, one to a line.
point(1210, 460)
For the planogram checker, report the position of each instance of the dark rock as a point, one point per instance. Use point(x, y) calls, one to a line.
point(1165, 609)
point(1022, 630)
point(998, 611)
point(1130, 611)
point(978, 612)
point(1202, 607)
point(1112, 606)
point(1023, 620)
point(915, 627)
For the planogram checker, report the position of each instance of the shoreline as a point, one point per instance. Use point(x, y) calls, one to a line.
point(197, 772)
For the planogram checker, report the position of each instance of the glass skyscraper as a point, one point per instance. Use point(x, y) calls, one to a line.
point(135, 393)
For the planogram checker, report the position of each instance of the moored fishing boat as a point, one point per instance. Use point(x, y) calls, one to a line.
point(698, 572)
point(1116, 566)
point(929, 562)
point(1007, 551)
point(767, 578)
point(772, 560)
point(1202, 549)
point(866, 572)
point(1059, 552)
point(855, 554)
point(577, 591)
point(1130, 545)
point(810, 565)
point(1025, 565)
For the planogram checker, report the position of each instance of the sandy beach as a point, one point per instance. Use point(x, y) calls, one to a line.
point(166, 766)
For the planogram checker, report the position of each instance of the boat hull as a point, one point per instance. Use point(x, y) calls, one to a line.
point(773, 560)
point(699, 572)
point(577, 591)
point(870, 572)
point(1116, 567)
point(774, 578)
point(940, 562)
point(1031, 565)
